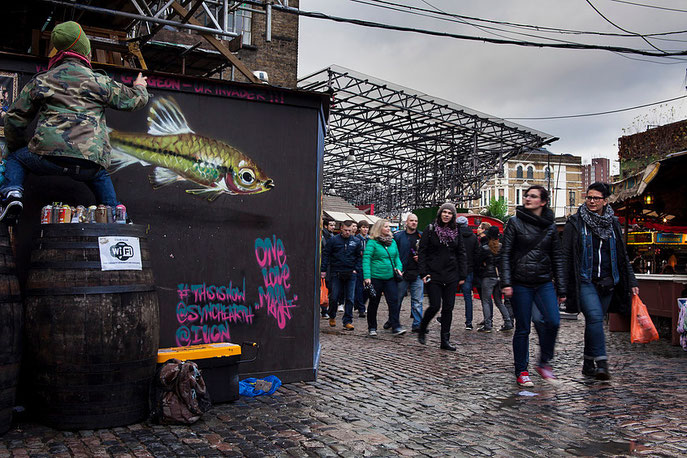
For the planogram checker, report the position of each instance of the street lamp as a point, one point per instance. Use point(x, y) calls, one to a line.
point(648, 199)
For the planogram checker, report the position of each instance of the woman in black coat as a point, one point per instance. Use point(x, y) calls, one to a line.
point(443, 266)
point(530, 259)
point(599, 274)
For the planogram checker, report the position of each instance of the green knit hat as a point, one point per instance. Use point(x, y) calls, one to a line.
point(69, 36)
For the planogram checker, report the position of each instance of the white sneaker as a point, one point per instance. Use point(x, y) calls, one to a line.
point(341, 308)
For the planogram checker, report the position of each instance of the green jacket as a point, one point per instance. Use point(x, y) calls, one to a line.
point(70, 100)
point(377, 260)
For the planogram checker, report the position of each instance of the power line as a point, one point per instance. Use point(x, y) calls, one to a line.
point(618, 27)
point(364, 23)
point(598, 113)
point(650, 6)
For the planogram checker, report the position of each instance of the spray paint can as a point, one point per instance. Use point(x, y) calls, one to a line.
point(64, 214)
point(120, 214)
point(46, 214)
point(90, 214)
point(101, 214)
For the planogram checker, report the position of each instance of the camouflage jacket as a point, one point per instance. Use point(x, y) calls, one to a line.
point(70, 100)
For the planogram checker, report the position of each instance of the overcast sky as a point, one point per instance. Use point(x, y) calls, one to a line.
point(511, 81)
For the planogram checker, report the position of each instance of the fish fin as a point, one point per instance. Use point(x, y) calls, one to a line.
point(165, 118)
point(214, 192)
point(120, 159)
point(162, 177)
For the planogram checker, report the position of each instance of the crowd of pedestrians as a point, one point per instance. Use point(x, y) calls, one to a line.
point(528, 272)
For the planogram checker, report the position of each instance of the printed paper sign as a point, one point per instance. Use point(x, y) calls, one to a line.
point(120, 253)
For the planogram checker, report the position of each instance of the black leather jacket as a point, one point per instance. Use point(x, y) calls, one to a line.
point(489, 263)
point(525, 263)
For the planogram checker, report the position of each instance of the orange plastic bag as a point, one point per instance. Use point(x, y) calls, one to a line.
point(642, 329)
point(324, 294)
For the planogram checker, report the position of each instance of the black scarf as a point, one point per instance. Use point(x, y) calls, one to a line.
point(601, 225)
point(544, 220)
point(385, 240)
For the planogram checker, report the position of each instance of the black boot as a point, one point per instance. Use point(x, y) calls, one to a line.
point(446, 343)
point(602, 370)
point(422, 336)
point(588, 368)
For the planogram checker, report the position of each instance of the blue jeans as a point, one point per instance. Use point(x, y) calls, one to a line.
point(339, 288)
point(390, 290)
point(466, 289)
point(594, 307)
point(544, 298)
point(416, 290)
point(21, 161)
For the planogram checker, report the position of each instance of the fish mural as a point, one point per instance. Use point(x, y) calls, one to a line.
point(179, 154)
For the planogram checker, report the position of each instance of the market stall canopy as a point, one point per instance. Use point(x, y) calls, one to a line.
point(658, 192)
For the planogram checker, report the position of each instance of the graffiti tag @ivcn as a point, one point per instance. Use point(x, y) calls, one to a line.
point(204, 312)
point(271, 257)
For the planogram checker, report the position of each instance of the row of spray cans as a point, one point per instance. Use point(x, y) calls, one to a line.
point(59, 213)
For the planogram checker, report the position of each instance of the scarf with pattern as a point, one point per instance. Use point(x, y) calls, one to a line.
point(600, 225)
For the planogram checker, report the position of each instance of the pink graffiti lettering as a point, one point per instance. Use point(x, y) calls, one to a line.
point(164, 83)
point(271, 257)
point(268, 251)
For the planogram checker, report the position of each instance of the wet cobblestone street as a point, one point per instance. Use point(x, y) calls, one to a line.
point(389, 396)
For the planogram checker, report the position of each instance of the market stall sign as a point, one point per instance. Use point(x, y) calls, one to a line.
point(640, 238)
point(670, 239)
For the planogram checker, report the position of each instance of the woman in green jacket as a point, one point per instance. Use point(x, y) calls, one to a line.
point(380, 259)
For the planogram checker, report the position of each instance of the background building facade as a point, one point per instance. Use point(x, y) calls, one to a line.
point(598, 170)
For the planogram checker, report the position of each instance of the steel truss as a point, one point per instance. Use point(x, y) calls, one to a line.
point(401, 149)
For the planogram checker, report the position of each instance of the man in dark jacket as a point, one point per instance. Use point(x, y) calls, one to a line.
point(408, 242)
point(598, 272)
point(472, 245)
point(530, 259)
point(341, 255)
point(328, 227)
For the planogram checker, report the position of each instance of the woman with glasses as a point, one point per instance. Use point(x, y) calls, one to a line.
point(598, 272)
point(443, 267)
point(530, 260)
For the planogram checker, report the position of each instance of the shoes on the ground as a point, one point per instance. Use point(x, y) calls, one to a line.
point(602, 370)
point(11, 208)
point(506, 328)
point(398, 331)
point(348, 327)
point(483, 329)
point(422, 337)
point(362, 315)
point(481, 323)
point(415, 330)
point(545, 371)
point(340, 308)
point(524, 379)
point(387, 325)
point(588, 368)
point(325, 314)
point(332, 322)
point(439, 319)
point(372, 332)
point(468, 327)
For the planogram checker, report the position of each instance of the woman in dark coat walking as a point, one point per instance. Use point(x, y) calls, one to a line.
point(443, 266)
point(598, 272)
point(530, 259)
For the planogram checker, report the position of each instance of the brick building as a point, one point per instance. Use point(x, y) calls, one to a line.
point(598, 170)
point(639, 150)
point(561, 173)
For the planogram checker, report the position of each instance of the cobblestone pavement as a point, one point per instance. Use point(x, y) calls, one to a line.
point(390, 396)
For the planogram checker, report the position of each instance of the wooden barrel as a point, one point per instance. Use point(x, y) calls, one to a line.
point(10, 330)
point(91, 335)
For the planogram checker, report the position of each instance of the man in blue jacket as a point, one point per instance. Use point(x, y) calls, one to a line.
point(341, 255)
point(408, 242)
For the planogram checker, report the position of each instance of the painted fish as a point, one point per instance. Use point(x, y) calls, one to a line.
point(179, 154)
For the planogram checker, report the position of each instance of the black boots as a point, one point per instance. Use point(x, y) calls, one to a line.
point(588, 367)
point(446, 343)
point(602, 370)
point(422, 336)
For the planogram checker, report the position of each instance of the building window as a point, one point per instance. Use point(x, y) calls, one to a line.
point(518, 172)
point(240, 21)
point(530, 173)
point(486, 197)
point(518, 197)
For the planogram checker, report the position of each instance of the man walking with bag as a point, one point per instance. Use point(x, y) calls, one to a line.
point(598, 273)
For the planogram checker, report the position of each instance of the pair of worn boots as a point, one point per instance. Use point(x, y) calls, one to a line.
point(596, 369)
point(445, 340)
point(11, 208)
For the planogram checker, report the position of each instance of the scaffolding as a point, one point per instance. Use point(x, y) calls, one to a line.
point(401, 149)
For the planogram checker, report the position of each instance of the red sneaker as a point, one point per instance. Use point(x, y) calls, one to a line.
point(546, 372)
point(524, 379)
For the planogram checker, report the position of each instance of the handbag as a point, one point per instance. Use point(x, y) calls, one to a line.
point(398, 277)
point(324, 293)
point(642, 329)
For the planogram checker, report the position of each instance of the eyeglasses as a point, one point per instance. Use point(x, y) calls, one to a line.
point(594, 198)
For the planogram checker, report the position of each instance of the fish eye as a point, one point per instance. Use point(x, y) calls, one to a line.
point(247, 176)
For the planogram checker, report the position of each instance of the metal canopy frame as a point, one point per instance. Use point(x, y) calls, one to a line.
point(401, 149)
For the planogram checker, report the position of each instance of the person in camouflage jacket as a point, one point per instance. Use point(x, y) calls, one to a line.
point(71, 135)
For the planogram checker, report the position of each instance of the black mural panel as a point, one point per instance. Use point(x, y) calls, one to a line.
point(226, 178)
